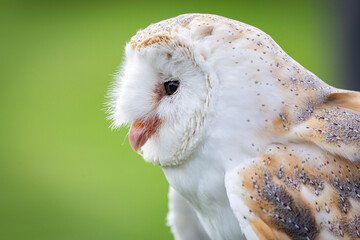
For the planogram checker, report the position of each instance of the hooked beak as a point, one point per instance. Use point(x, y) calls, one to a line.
point(141, 130)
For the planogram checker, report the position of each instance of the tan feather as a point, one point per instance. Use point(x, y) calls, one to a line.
point(347, 100)
point(334, 125)
point(299, 192)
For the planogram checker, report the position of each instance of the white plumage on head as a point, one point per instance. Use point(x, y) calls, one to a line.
point(243, 132)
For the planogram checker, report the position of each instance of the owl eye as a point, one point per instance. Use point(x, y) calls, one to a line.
point(171, 87)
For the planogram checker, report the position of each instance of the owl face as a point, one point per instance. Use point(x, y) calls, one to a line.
point(163, 91)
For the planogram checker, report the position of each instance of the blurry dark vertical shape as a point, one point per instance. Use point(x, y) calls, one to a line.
point(351, 30)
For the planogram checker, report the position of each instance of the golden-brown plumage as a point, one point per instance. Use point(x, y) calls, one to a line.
point(334, 125)
point(309, 189)
point(303, 193)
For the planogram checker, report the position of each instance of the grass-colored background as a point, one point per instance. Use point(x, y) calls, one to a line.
point(63, 173)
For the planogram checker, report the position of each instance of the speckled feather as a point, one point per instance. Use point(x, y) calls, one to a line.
point(302, 192)
point(301, 179)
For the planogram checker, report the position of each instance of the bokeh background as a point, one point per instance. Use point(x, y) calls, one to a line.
point(64, 174)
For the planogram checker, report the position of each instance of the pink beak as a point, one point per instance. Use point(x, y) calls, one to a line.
point(141, 130)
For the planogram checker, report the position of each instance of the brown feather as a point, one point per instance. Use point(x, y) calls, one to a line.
point(347, 100)
point(302, 192)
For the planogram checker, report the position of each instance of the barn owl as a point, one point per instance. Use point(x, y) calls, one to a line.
point(253, 145)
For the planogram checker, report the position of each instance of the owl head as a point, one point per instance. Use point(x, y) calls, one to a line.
point(184, 77)
point(164, 90)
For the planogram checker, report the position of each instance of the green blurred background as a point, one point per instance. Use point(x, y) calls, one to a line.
point(63, 173)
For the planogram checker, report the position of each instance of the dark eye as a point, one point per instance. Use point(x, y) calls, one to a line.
point(171, 87)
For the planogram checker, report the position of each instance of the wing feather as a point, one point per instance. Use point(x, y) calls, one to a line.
point(297, 191)
point(334, 125)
